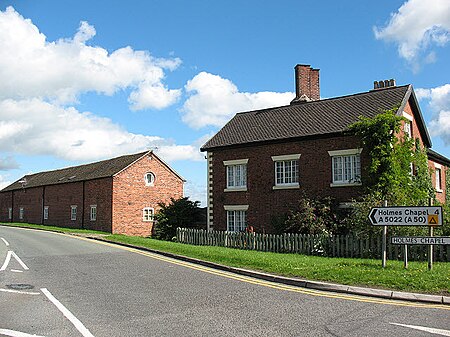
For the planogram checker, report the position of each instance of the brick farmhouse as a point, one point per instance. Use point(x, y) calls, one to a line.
point(118, 195)
point(262, 162)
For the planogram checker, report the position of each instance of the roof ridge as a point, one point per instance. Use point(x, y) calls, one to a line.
point(87, 164)
point(258, 111)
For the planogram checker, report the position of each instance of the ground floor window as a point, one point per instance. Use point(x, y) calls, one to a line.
point(45, 212)
point(9, 213)
point(147, 214)
point(93, 212)
point(73, 212)
point(236, 220)
point(21, 212)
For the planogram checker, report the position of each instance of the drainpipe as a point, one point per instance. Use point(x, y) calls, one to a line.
point(82, 208)
point(12, 206)
point(43, 204)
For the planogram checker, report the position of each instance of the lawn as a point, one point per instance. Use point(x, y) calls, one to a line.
point(356, 272)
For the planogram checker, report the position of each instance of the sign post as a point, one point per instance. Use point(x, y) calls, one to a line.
point(406, 216)
point(430, 249)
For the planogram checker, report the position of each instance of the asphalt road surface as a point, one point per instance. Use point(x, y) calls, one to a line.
point(58, 285)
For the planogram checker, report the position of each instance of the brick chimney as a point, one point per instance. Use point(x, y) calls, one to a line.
point(306, 84)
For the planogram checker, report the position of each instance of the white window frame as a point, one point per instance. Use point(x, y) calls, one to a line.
point(407, 126)
point(438, 178)
point(236, 217)
point(10, 213)
point(354, 156)
point(147, 214)
point(21, 213)
point(236, 174)
point(151, 181)
point(73, 212)
point(45, 215)
point(93, 213)
point(290, 170)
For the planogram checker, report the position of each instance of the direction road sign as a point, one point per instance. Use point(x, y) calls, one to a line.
point(420, 240)
point(406, 216)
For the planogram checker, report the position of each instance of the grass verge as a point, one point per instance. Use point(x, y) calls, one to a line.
point(356, 272)
point(53, 228)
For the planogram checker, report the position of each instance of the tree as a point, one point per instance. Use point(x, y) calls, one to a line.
point(398, 169)
point(178, 213)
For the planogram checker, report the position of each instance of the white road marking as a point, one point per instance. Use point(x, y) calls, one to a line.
point(13, 333)
point(426, 329)
point(6, 242)
point(17, 271)
point(19, 292)
point(78, 325)
point(8, 258)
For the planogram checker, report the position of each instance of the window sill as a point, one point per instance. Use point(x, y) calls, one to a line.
point(344, 184)
point(235, 189)
point(286, 187)
point(439, 191)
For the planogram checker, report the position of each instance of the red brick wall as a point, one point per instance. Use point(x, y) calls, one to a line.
point(59, 199)
point(131, 195)
point(5, 203)
point(30, 199)
point(440, 195)
point(315, 176)
point(98, 192)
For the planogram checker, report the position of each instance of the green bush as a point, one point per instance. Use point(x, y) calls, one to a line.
point(178, 213)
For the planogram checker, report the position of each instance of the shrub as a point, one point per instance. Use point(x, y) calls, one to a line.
point(178, 213)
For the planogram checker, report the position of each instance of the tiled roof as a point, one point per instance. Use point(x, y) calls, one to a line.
point(308, 118)
point(101, 169)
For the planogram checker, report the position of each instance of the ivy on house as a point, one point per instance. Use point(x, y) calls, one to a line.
point(398, 167)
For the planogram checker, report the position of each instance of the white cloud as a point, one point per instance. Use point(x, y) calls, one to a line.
point(416, 27)
point(8, 163)
point(4, 182)
point(61, 70)
point(214, 100)
point(195, 192)
point(439, 103)
point(41, 128)
point(45, 77)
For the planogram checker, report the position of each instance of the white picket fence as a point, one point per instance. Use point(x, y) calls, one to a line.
point(321, 245)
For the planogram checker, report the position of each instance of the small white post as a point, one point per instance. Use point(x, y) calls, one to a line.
point(406, 257)
point(384, 243)
point(430, 248)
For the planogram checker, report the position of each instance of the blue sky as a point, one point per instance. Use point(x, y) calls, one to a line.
point(89, 80)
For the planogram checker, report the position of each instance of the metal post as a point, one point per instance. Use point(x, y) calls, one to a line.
point(384, 244)
point(430, 248)
point(406, 257)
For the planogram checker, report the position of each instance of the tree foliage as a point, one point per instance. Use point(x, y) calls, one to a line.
point(178, 213)
point(312, 216)
point(398, 166)
point(397, 172)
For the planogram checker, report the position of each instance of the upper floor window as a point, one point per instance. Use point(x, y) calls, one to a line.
point(147, 214)
point(438, 175)
point(45, 212)
point(346, 167)
point(73, 212)
point(408, 129)
point(93, 213)
point(286, 171)
point(236, 174)
point(149, 179)
point(407, 126)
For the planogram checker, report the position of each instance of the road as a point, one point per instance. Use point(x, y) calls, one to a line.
point(58, 285)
